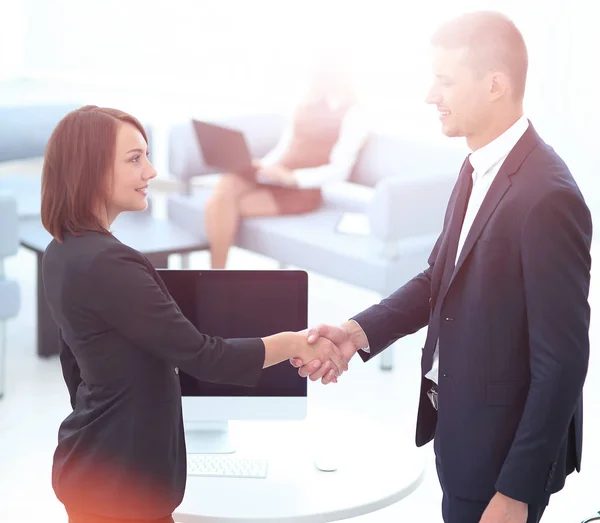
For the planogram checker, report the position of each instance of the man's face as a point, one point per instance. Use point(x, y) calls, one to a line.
point(461, 95)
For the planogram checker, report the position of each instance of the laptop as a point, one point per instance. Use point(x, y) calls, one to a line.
point(224, 149)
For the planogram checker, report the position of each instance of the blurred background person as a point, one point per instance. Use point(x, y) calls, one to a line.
point(320, 144)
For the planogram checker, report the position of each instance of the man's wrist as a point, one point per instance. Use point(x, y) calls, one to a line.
point(356, 334)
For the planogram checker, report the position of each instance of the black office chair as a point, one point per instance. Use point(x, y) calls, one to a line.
point(593, 518)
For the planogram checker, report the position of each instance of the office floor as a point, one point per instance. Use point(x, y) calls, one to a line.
point(35, 402)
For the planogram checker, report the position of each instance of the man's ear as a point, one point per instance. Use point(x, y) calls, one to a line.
point(499, 84)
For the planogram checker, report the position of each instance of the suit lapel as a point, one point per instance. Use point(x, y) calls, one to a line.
point(440, 267)
point(498, 189)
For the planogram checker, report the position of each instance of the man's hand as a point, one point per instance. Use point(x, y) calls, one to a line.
point(348, 337)
point(503, 509)
point(326, 352)
point(276, 174)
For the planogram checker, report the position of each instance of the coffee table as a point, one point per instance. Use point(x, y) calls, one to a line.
point(156, 238)
point(368, 477)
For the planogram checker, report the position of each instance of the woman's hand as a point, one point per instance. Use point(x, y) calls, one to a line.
point(277, 175)
point(287, 345)
point(348, 338)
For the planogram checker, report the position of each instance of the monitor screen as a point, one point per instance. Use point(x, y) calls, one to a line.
point(242, 304)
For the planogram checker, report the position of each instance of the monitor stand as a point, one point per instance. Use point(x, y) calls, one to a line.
point(208, 437)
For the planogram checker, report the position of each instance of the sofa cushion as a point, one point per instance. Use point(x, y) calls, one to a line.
point(311, 241)
point(386, 155)
point(347, 196)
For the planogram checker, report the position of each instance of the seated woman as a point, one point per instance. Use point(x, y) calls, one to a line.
point(320, 145)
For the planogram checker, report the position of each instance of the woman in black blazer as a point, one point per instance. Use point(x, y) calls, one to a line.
point(121, 453)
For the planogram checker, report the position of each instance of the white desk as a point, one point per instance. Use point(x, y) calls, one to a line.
point(375, 469)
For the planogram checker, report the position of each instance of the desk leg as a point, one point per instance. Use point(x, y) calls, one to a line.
point(47, 330)
point(3, 348)
point(159, 261)
point(387, 359)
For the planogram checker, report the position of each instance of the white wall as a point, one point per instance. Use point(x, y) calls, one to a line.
point(188, 56)
point(11, 38)
point(581, 136)
point(254, 51)
point(220, 48)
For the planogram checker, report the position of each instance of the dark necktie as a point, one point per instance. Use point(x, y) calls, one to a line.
point(458, 217)
point(465, 178)
point(462, 202)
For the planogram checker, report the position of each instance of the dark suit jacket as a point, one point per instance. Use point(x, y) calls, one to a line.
point(512, 320)
point(121, 452)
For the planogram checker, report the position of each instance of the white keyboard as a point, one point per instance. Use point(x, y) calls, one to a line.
point(226, 466)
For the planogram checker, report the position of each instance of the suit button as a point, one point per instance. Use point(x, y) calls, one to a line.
point(445, 375)
point(449, 318)
point(176, 369)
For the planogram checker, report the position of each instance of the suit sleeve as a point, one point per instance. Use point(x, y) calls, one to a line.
point(403, 312)
point(124, 294)
point(556, 261)
point(407, 309)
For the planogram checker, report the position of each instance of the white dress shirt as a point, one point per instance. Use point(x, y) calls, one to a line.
point(486, 163)
point(353, 134)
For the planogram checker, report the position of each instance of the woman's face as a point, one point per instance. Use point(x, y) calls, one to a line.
point(131, 173)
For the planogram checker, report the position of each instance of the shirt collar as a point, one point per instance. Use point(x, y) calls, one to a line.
point(483, 159)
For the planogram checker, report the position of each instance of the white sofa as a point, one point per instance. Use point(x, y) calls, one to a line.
point(402, 186)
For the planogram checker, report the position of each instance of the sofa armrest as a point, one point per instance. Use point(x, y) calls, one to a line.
point(10, 297)
point(9, 231)
point(347, 196)
point(24, 130)
point(407, 208)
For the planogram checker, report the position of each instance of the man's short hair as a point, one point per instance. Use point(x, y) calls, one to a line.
point(493, 42)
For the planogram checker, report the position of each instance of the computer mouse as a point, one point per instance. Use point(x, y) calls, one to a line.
point(326, 463)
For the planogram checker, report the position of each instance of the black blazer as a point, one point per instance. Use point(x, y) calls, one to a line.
point(512, 320)
point(121, 452)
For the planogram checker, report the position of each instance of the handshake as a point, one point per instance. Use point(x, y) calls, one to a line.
point(328, 350)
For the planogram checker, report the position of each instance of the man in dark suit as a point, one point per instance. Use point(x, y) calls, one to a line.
point(505, 297)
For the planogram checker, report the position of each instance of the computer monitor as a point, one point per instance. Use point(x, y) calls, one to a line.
point(239, 304)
